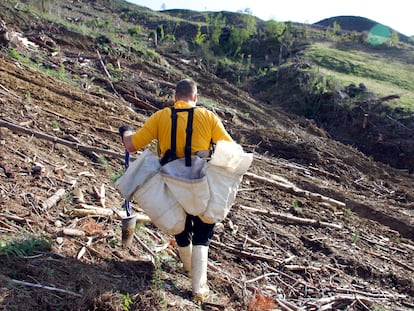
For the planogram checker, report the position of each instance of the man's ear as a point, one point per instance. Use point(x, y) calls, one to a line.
point(195, 98)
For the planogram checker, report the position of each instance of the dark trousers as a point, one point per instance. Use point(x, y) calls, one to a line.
point(195, 231)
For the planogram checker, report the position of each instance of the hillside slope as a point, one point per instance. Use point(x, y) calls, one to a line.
point(358, 24)
point(316, 224)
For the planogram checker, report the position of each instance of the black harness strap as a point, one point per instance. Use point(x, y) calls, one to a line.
point(173, 147)
point(189, 134)
point(171, 154)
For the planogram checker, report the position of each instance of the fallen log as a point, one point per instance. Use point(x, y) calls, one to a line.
point(295, 190)
point(54, 139)
point(73, 232)
point(53, 200)
point(326, 303)
point(14, 218)
point(290, 218)
point(81, 212)
point(90, 210)
point(122, 214)
point(243, 253)
point(140, 103)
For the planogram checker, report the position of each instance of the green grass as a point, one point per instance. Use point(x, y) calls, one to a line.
point(157, 283)
point(126, 302)
point(103, 161)
point(55, 125)
point(380, 88)
point(115, 176)
point(24, 246)
point(382, 75)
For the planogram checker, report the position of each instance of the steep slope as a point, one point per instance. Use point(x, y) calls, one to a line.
point(316, 224)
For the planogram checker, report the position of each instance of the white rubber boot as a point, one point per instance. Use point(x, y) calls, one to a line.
point(199, 273)
point(185, 256)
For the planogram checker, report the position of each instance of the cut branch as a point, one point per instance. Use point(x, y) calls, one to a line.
point(382, 295)
point(73, 232)
point(107, 74)
point(83, 249)
point(244, 253)
point(295, 190)
point(290, 218)
point(45, 287)
point(14, 218)
point(398, 262)
point(90, 210)
point(140, 103)
point(54, 139)
point(144, 245)
point(54, 199)
point(329, 300)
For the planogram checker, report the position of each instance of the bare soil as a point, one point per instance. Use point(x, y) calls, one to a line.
point(316, 224)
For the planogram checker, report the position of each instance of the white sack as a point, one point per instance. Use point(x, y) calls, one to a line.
point(160, 205)
point(223, 189)
point(231, 157)
point(224, 173)
point(188, 183)
point(140, 170)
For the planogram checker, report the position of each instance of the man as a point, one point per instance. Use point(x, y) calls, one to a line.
point(193, 242)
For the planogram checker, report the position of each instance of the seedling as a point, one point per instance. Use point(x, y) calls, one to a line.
point(103, 161)
point(126, 301)
point(28, 97)
point(55, 125)
point(296, 204)
point(116, 176)
point(356, 236)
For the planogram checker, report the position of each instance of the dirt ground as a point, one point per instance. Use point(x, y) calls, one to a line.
point(316, 224)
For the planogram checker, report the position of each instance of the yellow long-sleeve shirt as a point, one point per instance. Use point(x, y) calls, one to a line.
point(207, 127)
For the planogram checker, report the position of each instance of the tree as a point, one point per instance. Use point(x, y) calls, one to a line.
point(199, 37)
point(336, 28)
point(274, 29)
point(215, 28)
point(239, 35)
point(394, 39)
point(248, 11)
point(160, 31)
point(287, 39)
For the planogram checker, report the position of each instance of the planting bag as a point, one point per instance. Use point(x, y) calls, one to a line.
point(188, 184)
point(231, 157)
point(160, 205)
point(223, 189)
point(224, 173)
point(138, 172)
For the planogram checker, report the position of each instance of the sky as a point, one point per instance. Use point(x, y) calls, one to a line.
point(396, 14)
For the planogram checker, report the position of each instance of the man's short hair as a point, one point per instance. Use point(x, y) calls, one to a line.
point(185, 89)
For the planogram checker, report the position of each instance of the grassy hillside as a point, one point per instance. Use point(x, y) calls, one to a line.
point(361, 24)
point(383, 72)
